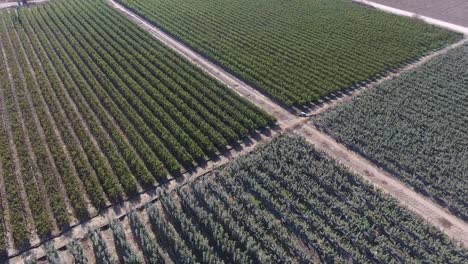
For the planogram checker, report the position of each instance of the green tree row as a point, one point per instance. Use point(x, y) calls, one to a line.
point(296, 51)
point(284, 203)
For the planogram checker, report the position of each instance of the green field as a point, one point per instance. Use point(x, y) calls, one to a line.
point(296, 51)
point(93, 109)
point(415, 126)
point(284, 203)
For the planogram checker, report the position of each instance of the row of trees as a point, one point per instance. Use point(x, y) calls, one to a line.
point(26, 172)
point(284, 51)
point(284, 203)
point(93, 109)
point(426, 143)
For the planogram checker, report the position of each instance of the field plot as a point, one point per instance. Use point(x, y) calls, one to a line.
point(285, 203)
point(453, 11)
point(415, 126)
point(295, 51)
point(93, 108)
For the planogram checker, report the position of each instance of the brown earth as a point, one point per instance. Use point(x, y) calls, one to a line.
point(452, 11)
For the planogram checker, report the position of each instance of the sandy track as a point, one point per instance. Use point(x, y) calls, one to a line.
point(426, 209)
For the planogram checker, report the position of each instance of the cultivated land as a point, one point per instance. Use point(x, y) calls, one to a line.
point(453, 11)
point(415, 127)
point(283, 203)
point(298, 231)
point(295, 51)
point(94, 110)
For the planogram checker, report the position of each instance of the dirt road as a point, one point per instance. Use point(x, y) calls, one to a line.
point(426, 209)
point(453, 11)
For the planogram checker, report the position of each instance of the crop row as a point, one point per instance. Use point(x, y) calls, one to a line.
point(295, 51)
point(94, 109)
point(284, 203)
point(415, 127)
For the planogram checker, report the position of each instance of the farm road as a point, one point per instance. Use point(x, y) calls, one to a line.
point(426, 209)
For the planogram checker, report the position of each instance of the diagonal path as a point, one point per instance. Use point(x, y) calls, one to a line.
point(454, 227)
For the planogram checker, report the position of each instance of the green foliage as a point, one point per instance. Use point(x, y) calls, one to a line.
point(92, 107)
point(52, 255)
point(296, 51)
point(101, 252)
point(284, 203)
point(148, 246)
point(126, 254)
point(415, 127)
point(77, 251)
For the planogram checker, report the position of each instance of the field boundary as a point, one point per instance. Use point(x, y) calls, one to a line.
point(287, 121)
point(426, 19)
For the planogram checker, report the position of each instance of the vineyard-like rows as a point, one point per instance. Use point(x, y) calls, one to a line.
point(285, 203)
point(92, 108)
point(296, 51)
point(416, 126)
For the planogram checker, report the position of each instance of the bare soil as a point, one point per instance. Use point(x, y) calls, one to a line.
point(453, 11)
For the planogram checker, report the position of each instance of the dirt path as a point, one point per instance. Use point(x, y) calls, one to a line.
point(7, 5)
point(14, 3)
point(425, 8)
point(12, 145)
point(426, 209)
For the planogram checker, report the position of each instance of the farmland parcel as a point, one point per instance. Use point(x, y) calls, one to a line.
point(92, 108)
point(416, 127)
point(296, 51)
point(285, 203)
